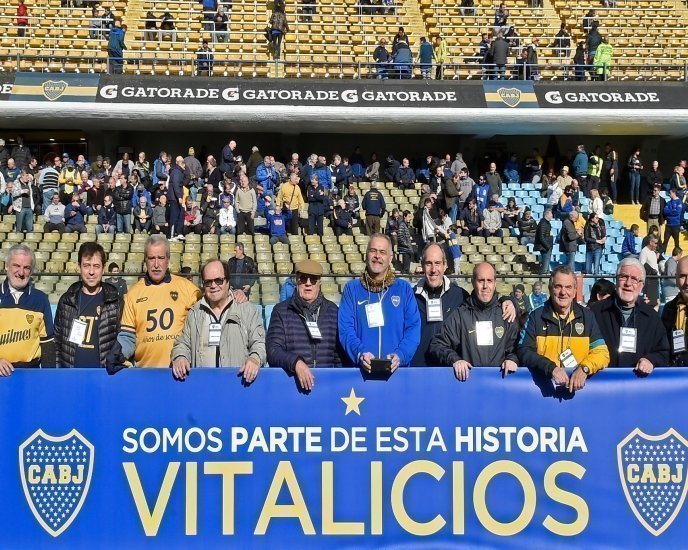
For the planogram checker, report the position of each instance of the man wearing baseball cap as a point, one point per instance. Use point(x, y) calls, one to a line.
point(303, 329)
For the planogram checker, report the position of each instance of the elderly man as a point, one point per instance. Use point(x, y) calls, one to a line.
point(303, 329)
point(218, 331)
point(379, 325)
point(675, 316)
point(155, 309)
point(26, 323)
point(175, 197)
point(622, 319)
point(568, 240)
point(437, 298)
point(88, 314)
point(562, 336)
point(475, 334)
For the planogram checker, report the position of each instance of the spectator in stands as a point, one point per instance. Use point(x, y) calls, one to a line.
point(167, 27)
point(210, 205)
point(23, 204)
point(205, 59)
point(378, 315)
point(482, 192)
point(54, 215)
point(669, 286)
point(246, 204)
point(467, 8)
point(108, 21)
point(511, 169)
point(150, 27)
point(629, 248)
point(465, 188)
point(175, 197)
point(654, 177)
point(291, 200)
point(21, 154)
point(595, 239)
point(22, 19)
point(87, 318)
point(635, 168)
point(278, 27)
point(160, 172)
point(125, 166)
point(532, 70)
point(227, 161)
point(374, 206)
point(494, 180)
point(308, 8)
point(648, 258)
point(603, 59)
point(317, 204)
point(74, 216)
point(372, 171)
point(562, 43)
point(382, 59)
point(342, 221)
point(588, 20)
point(221, 22)
point(425, 55)
point(579, 62)
point(6, 198)
point(243, 272)
point(277, 226)
point(677, 180)
point(652, 210)
point(568, 240)
point(26, 310)
point(471, 219)
point(266, 175)
point(4, 155)
point(429, 229)
point(485, 56)
point(467, 337)
point(536, 298)
point(303, 332)
point(492, 220)
point(143, 215)
point(116, 47)
point(193, 219)
point(122, 198)
point(450, 195)
point(107, 217)
point(255, 160)
point(116, 281)
point(540, 348)
point(69, 178)
point(610, 170)
point(544, 241)
point(219, 331)
point(227, 217)
point(673, 214)
point(402, 60)
point(623, 319)
point(405, 177)
point(593, 40)
point(501, 18)
point(214, 175)
point(440, 55)
point(527, 228)
point(674, 316)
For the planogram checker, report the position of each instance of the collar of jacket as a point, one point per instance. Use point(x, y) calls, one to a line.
point(148, 281)
point(110, 293)
point(373, 286)
point(420, 286)
point(612, 304)
point(548, 312)
point(6, 287)
point(474, 302)
point(231, 310)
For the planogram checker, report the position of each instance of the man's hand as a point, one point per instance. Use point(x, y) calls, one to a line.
point(180, 368)
point(508, 311)
point(239, 296)
point(395, 361)
point(509, 367)
point(560, 377)
point(577, 380)
point(365, 360)
point(462, 369)
point(304, 375)
point(249, 370)
point(644, 367)
point(6, 368)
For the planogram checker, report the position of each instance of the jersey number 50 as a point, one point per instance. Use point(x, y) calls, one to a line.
point(164, 320)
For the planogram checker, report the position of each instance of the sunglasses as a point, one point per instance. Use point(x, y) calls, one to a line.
point(217, 282)
point(303, 279)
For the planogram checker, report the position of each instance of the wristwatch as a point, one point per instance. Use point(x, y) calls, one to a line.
point(585, 369)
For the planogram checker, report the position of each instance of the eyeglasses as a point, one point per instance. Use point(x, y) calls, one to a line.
point(303, 279)
point(217, 282)
point(626, 277)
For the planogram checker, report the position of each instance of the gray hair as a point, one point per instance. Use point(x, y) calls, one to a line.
point(430, 245)
point(155, 240)
point(380, 236)
point(631, 262)
point(23, 250)
point(563, 270)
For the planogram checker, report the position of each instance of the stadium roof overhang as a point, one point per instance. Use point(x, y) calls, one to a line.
point(326, 106)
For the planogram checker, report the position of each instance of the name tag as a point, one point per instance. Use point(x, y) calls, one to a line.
point(214, 334)
point(435, 310)
point(78, 332)
point(679, 339)
point(374, 315)
point(484, 333)
point(313, 330)
point(627, 340)
point(567, 360)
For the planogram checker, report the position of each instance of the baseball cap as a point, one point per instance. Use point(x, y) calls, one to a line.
point(309, 267)
point(65, 155)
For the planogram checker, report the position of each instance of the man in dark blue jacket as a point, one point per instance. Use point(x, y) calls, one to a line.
point(317, 201)
point(227, 158)
point(303, 331)
point(374, 206)
point(116, 48)
point(673, 214)
point(175, 197)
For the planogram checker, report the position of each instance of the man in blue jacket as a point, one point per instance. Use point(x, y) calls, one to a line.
point(673, 214)
point(629, 248)
point(266, 175)
point(317, 201)
point(374, 206)
point(277, 225)
point(378, 315)
point(116, 48)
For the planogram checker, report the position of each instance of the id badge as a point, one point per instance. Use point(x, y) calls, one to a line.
point(214, 334)
point(374, 315)
point(679, 340)
point(434, 312)
point(484, 333)
point(567, 360)
point(78, 332)
point(313, 330)
point(627, 340)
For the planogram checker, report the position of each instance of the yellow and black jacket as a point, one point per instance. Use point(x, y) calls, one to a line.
point(545, 337)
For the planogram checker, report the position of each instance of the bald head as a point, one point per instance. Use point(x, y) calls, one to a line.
point(484, 281)
point(682, 277)
point(179, 161)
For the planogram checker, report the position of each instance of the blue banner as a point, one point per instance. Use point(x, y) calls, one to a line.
point(139, 460)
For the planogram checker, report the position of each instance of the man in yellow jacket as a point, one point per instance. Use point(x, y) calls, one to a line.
point(290, 199)
point(439, 53)
point(603, 59)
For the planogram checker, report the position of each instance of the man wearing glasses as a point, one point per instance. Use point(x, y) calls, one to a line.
point(632, 329)
point(379, 324)
point(218, 331)
point(562, 339)
point(303, 329)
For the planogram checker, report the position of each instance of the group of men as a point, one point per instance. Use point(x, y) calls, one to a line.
point(382, 322)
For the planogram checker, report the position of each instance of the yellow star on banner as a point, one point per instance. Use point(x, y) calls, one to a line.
point(352, 403)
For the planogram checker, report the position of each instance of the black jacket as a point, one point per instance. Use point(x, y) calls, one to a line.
point(669, 323)
point(108, 326)
point(246, 276)
point(651, 342)
point(499, 51)
point(568, 237)
point(175, 184)
point(543, 236)
point(645, 209)
point(121, 198)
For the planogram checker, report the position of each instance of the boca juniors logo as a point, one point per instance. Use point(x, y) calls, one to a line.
point(56, 474)
point(653, 476)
